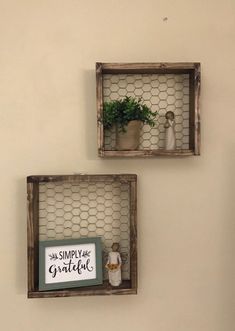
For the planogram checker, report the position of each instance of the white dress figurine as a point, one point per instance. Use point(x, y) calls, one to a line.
point(170, 132)
point(114, 266)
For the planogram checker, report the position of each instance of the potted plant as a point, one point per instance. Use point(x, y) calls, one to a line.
point(128, 114)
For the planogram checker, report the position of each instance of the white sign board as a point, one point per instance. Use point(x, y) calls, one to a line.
point(70, 263)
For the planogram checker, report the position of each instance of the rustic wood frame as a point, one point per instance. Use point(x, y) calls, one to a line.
point(193, 69)
point(127, 287)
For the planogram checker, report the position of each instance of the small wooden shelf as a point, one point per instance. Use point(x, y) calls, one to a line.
point(83, 206)
point(163, 87)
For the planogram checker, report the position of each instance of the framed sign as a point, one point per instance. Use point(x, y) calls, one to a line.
point(70, 263)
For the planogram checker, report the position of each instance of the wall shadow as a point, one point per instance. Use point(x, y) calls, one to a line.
point(91, 114)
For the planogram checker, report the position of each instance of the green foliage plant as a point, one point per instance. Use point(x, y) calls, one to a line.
point(122, 111)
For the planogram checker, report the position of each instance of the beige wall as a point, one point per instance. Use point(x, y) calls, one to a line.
point(48, 126)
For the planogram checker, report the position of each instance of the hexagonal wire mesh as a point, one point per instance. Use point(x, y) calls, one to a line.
point(87, 210)
point(160, 92)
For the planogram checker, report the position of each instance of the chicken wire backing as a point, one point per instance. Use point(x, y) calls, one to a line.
point(76, 210)
point(160, 92)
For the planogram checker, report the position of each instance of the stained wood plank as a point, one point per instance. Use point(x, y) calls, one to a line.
point(32, 234)
point(81, 178)
point(133, 234)
point(148, 153)
point(194, 110)
point(163, 67)
point(99, 105)
point(197, 138)
point(191, 111)
point(105, 289)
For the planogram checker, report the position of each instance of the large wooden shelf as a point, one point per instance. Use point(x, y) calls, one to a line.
point(110, 204)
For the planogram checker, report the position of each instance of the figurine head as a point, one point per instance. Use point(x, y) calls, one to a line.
point(115, 247)
point(170, 115)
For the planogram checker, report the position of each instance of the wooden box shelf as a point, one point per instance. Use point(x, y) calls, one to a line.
point(83, 206)
point(163, 87)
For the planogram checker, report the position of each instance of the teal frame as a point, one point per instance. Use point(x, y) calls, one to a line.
point(78, 283)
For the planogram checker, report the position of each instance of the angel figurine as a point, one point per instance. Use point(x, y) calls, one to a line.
point(113, 265)
point(170, 132)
